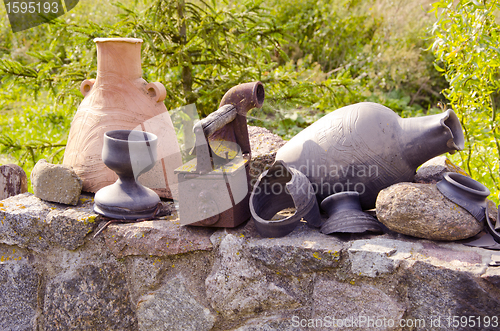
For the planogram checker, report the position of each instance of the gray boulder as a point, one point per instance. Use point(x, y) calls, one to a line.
point(56, 183)
point(420, 210)
point(433, 170)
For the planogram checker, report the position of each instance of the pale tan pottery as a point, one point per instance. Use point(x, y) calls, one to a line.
point(119, 99)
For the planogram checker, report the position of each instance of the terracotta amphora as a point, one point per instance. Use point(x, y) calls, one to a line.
point(119, 99)
point(367, 147)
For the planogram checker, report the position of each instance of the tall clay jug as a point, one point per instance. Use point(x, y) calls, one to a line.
point(119, 99)
point(367, 147)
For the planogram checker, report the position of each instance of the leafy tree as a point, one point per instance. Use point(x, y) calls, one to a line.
point(197, 49)
point(467, 39)
point(313, 57)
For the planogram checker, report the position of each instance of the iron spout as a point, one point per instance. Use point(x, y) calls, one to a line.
point(244, 97)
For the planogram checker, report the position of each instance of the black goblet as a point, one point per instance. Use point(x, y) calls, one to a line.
point(129, 154)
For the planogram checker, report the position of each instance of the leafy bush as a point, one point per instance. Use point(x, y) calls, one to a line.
point(374, 40)
point(467, 38)
point(198, 50)
point(313, 57)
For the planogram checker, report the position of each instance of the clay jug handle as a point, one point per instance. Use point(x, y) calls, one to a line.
point(156, 91)
point(86, 86)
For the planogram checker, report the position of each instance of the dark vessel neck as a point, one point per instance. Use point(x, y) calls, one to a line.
point(429, 136)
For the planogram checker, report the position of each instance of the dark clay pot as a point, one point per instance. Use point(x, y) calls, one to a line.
point(345, 215)
point(465, 192)
point(279, 188)
point(129, 154)
point(367, 147)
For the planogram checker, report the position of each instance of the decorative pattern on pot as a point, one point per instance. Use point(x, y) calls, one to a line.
point(120, 99)
point(278, 188)
point(465, 192)
point(129, 154)
point(367, 147)
point(346, 216)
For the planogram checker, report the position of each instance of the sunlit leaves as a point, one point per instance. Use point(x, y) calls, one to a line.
point(466, 48)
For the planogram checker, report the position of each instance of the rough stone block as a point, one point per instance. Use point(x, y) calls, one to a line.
point(280, 322)
point(19, 283)
point(433, 170)
point(304, 250)
point(56, 183)
point(237, 286)
point(373, 258)
point(13, 181)
point(159, 238)
point(172, 307)
point(420, 210)
point(441, 293)
point(349, 306)
point(492, 275)
point(264, 145)
point(68, 228)
point(32, 223)
point(88, 297)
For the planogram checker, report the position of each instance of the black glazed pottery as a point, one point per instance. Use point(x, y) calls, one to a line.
point(465, 192)
point(129, 154)
point(346, 216)
point(490, 239)
point(279, 188)
point(367, 147)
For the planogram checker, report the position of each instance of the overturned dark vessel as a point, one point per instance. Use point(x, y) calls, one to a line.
point(367, 147)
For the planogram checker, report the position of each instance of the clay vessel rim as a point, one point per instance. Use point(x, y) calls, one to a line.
point(343, 194)
point(457, 136)
point(148, 136)
point(259, 95)
point(460, 181)
point(124, 40)
point(292, 196)
point(340, 197)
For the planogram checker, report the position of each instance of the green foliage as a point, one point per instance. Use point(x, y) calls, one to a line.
point(350, 51)
point(466, 46)
point(373, 40)
point(331, 32)
point(312, 56)
point(32, 133)
point(199, 50)
point(301, 93)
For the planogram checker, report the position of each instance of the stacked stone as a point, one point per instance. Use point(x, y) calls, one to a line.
point(160, 275)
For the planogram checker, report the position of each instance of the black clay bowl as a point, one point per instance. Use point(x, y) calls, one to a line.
point(465, 192)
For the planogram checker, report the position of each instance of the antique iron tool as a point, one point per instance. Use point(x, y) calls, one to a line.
point(214, 187)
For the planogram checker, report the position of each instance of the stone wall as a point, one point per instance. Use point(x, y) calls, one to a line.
point(159, 275)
